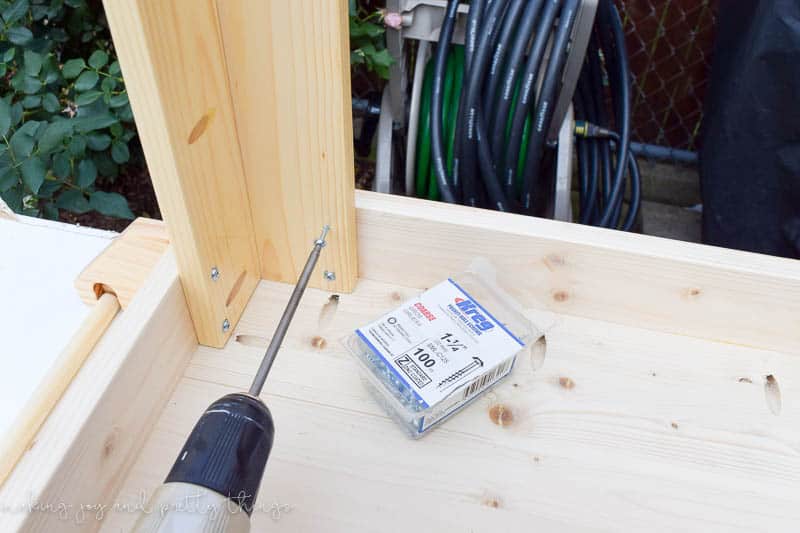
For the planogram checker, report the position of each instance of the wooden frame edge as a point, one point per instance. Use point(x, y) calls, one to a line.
point(83, 450)
point(670, 286)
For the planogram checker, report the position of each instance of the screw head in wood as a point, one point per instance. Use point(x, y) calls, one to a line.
point(214, 273)
point(330, 276)
point(226, 325)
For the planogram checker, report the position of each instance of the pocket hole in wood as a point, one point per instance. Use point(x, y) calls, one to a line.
point(236, 287)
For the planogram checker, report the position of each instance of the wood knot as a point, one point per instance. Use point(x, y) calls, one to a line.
point(110, 444)
point(566, 382)
point(319, 342)
point(501, 415)
point(692, 292)
point(494, 503)
point(772, 393)
point(201, 126)
point(553, 261)
point(561, 296)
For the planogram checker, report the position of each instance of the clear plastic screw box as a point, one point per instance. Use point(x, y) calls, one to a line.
point(435, 353)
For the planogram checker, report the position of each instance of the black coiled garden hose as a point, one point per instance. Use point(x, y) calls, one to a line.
point(545, 106)
point(472, 116)
point(526, 95)
point(498, 119)
point(602, 171)
point(440, 65)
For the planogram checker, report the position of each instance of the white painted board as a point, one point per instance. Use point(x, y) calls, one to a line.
point(39, 306)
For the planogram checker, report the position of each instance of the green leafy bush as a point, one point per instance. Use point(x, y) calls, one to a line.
point(65, 120)
point(367, 42)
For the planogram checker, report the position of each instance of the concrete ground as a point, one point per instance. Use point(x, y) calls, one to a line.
point(671, 200)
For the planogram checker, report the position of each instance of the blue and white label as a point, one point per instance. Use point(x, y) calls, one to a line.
point(440, 341)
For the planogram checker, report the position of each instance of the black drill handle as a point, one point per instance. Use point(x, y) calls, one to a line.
point(228, 448)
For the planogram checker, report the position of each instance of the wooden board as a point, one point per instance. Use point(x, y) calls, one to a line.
point(82, 452)
point(123, 267)
point(622, 429)
point(173, 60)
point(648, 282)
point(289, 71)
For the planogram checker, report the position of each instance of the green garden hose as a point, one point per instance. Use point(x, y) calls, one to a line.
point(425, 183)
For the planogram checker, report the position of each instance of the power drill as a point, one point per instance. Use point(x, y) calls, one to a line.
point(213, 484)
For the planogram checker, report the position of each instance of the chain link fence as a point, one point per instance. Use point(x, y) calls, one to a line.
point(669, 47)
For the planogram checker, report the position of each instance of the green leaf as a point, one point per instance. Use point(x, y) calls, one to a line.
point(61, 165)
point(119, 152)
point(51, 73)
point(116, 129)
point(39, 12)
point(382, 58)
point(13, 197)
point(365, 29)
point(96, 122)
point(98, 141)
point(88, 97)
point(33, 171)
point(98, 59)
point(3, 69)
point(86, 80)
point(87, 174)
point(54, 135)
point(29, 102)
point(21, 144)
point(33, 63)
point(111, 204)
point(5, 117)
point(105, 165)
point(19, 35)
point(16, 114)
point(77, 146)
point(74, 201)
point(50, 212)
point(124, 113)
point(31, 85)
point(9, 55)
point(108, 85)
point(74, 3)
point(8, 179)
point(50, 103)
point(15, 11)
point(114, 69)
point(49, 187)
point(29, 128)
point(73, 68)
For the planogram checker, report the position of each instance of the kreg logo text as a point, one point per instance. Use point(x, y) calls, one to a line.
point(469, 308)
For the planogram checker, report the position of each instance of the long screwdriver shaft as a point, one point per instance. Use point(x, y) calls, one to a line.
point(288, 314)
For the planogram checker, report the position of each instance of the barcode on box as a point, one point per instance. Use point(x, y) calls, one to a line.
point(481, 382)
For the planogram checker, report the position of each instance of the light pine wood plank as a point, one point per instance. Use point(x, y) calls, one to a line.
point(171, 53)
point(651, 431)
point(124, 266)
point(637, 280)
point(82, 452)
point(289, 74)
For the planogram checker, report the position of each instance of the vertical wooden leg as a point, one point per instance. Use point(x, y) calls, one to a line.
point(289, 71)
point(173, 61)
